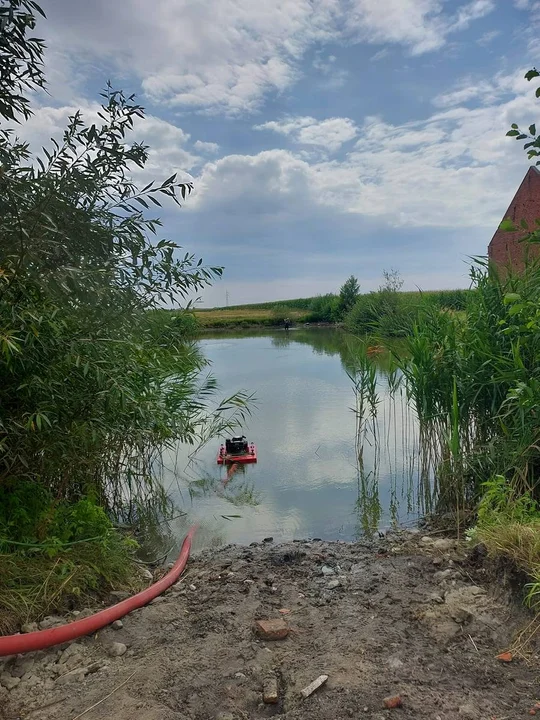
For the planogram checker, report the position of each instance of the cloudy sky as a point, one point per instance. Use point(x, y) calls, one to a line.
point(324, 137)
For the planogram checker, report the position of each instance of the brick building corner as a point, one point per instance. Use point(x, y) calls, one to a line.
point(505, 248)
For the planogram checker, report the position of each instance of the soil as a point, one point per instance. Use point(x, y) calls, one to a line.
point(407, 616)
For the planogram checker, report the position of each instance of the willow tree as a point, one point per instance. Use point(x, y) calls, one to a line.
point(91, 392)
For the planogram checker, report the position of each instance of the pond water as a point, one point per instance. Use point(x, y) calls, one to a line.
point(309, 480)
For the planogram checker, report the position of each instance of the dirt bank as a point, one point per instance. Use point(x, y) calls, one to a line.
point(404, 617)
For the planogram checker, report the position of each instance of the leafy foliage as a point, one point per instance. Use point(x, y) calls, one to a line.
point(348, 295)
point(95, 381)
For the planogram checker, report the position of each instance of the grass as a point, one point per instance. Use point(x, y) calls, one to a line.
point(234, 317)
point(33, 585)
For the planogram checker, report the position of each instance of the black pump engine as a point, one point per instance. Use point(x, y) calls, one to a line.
point(237, 445)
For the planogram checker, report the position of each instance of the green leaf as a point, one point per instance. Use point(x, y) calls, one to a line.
point(512, 133)
point(507, 225)
point(532, 129)
point(532, 74)
point(510, 298)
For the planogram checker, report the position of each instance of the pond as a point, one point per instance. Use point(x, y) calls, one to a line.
point(313, 478)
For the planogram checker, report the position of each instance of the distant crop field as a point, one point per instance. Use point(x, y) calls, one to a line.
point(233, 316)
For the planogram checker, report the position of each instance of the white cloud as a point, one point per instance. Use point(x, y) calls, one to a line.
point(454, 169)
point(206, 147)
point(226, 55)
point(330, 134)
point(488, 37)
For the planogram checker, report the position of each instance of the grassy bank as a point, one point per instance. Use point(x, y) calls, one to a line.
point(387, 311)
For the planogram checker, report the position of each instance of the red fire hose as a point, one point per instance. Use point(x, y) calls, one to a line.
point(13, 644)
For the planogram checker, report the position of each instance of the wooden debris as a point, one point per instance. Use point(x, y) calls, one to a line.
point(315, 685)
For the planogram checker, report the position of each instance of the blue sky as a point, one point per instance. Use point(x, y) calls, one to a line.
point(324, 137)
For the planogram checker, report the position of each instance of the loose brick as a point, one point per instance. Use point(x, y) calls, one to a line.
point(275, 629)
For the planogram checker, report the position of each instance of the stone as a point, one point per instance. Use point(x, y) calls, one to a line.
point(395, 663)
point(275, 629)
point(333, 584)
point(146, 574)
point(117, 625)
point(73, 649)
point(469, 711)
point(116, 649)
point(436, 598)
point(119, 595)
point(50, 621)
point(268, 540)
point(9, 682)
point(270, 690)
point(444, 544)
point(22, 666)
point(460, 615)
point(158, 600)
point(192, 588)
point(327, 570)
point(240, 676)
point(29, 627)
point(31, 681)
point(72, 675)
point(437, 561)
point(86, 612)
point(392, 702)
point(426, 540)
point(476, 590)
point(443, 574)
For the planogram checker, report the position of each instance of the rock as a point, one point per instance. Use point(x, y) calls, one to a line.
point(460, 615)
point(9, 682)
point(95, 666)
point(270, 690)
point(146, 574)
point(72, 675)
point(31, 681)
point(443, 574)
point(437, 561)
point(476, 590)
point(315, 685)
point(117, 625)
point(395, 663)
point(29, 627)
point(444, 544)
point(240, 676)
point(158, 600)
point(333, 584)
point(119, 595)
point(275, 629)
point(192, 588)
point(469, 711)
point(86, 612)
point(73, 649)
point(116, 649)
point(393, 702)
point(327, 570)
point(436, 598)
point(22, 666)
point(426, 540)
point(268, 540)
point(50, 621)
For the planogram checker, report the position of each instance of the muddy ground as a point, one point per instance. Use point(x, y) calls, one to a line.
point(407, 617)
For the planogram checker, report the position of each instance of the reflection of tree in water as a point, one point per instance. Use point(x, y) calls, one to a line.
point(327, 341)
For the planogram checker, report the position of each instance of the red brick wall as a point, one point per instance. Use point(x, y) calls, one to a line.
point(505, 247)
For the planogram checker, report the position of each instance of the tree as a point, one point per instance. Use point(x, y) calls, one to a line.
point(89, 399)
point(348, 295)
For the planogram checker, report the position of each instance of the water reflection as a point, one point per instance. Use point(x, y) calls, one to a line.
point(328, 465)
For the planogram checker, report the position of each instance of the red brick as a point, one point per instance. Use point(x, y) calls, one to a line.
point(276, 629)
point(505, 248)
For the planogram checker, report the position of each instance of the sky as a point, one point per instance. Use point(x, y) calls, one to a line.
point(324, 137)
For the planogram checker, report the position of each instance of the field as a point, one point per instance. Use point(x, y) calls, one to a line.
point(254, 315)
